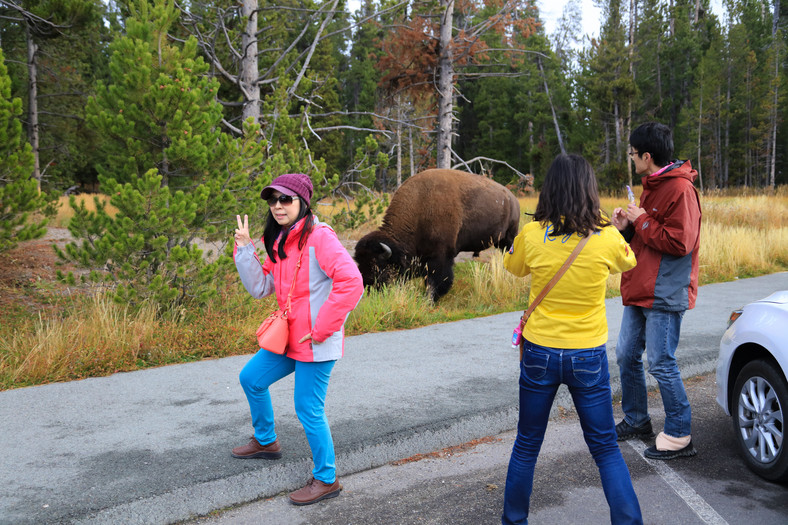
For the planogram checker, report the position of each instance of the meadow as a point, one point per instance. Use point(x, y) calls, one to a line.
point(76, 335)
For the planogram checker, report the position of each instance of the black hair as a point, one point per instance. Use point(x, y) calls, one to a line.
point(655, 138)
point(569, 199)
point(273, 229)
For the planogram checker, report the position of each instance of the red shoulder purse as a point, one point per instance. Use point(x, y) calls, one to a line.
point(273, 331)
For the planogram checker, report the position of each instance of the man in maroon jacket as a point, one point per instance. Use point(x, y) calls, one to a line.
point(664, 233)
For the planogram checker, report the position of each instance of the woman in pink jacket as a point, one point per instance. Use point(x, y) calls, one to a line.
point(327, 287)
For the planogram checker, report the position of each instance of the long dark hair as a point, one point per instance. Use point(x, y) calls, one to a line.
point(273, 229)
point(569, 199)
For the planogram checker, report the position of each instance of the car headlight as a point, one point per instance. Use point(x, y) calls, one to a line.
point(734, 315)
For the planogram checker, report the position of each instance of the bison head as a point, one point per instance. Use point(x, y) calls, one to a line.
point(380, 259)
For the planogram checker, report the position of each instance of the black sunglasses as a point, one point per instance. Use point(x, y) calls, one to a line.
point(282, 199)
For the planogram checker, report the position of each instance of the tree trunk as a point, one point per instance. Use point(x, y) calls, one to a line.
point(399, 140)
point(632, 24)
point(747, 136)
point(726, 150)
point(777, 43)
point(410, 151)
point(672, 18)
point(700, 119)
point(32, 103)
point(617, 125)
point(445, 85)
point(718, 140)
point(552, 108)
point(659, 72)
point(531, 144)
point(249, 68)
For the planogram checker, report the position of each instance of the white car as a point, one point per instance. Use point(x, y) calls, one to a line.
point(752, 386)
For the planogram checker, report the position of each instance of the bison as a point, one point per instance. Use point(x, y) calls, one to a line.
point(432, 217)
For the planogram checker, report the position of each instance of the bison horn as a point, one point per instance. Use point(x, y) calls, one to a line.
point(387, 250)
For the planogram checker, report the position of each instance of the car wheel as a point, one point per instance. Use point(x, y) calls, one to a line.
point(758, 419)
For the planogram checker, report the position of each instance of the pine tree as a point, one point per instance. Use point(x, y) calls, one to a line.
point(21, 204)
point(172, 176)
point(705, 115)
point(609, 89)
point(508, 116)
point(359, 81)
point(159, 108)
point(748, 80)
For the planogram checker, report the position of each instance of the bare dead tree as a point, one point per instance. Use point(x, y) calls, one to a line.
point(445, 84)
point(34, 27)
point(552, 107)
point(455, 50)
point(235, 57)
point(240, 67)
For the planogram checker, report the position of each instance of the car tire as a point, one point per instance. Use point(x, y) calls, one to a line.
point(759, 406)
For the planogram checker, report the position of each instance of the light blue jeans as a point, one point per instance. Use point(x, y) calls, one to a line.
point(586, 374)
point(311, 384)
point(656, 332)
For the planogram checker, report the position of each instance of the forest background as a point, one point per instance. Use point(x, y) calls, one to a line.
point(175, 115)
point(364, 87)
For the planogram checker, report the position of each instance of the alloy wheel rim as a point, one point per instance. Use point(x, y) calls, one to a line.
point(761, 420)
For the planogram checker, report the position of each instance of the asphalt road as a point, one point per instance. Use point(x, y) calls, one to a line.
point(464, 485)
point(153, 446)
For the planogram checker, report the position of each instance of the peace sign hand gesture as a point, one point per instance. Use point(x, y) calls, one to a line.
point(242, 233)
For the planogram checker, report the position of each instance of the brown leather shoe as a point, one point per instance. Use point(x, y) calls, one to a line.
point(254, 449)
point(314, 491)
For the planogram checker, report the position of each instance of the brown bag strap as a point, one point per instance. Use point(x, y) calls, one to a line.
point(292, 285)
point(560, 273)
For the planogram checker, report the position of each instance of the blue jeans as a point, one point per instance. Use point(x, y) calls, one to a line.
point(311, 383)
point(656, 331)
point(586, 374)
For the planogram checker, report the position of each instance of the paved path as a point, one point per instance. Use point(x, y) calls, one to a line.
point(153, 446)
point(465, 485)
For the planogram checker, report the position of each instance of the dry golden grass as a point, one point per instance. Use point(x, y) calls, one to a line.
point(742, 235)
point(65, 213)
point(492, 284)
point(101, 337)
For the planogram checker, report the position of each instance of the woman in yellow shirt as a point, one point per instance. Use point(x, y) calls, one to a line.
point(564, 339)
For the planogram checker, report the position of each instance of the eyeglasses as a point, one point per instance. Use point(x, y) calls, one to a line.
point(284, 200)
point(632, 154)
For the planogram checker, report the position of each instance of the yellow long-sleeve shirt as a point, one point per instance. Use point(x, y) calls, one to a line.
point(572, 314)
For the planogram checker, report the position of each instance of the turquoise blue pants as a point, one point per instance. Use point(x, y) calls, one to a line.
point(311, 384)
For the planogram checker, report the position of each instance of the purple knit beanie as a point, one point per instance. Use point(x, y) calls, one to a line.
point(290, 184)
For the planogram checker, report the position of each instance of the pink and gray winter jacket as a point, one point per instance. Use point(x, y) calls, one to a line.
point(327, 288)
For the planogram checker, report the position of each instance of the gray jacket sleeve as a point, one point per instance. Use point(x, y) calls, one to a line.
point(251, 271)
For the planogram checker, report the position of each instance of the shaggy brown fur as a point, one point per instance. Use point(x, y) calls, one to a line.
point(432, 217)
